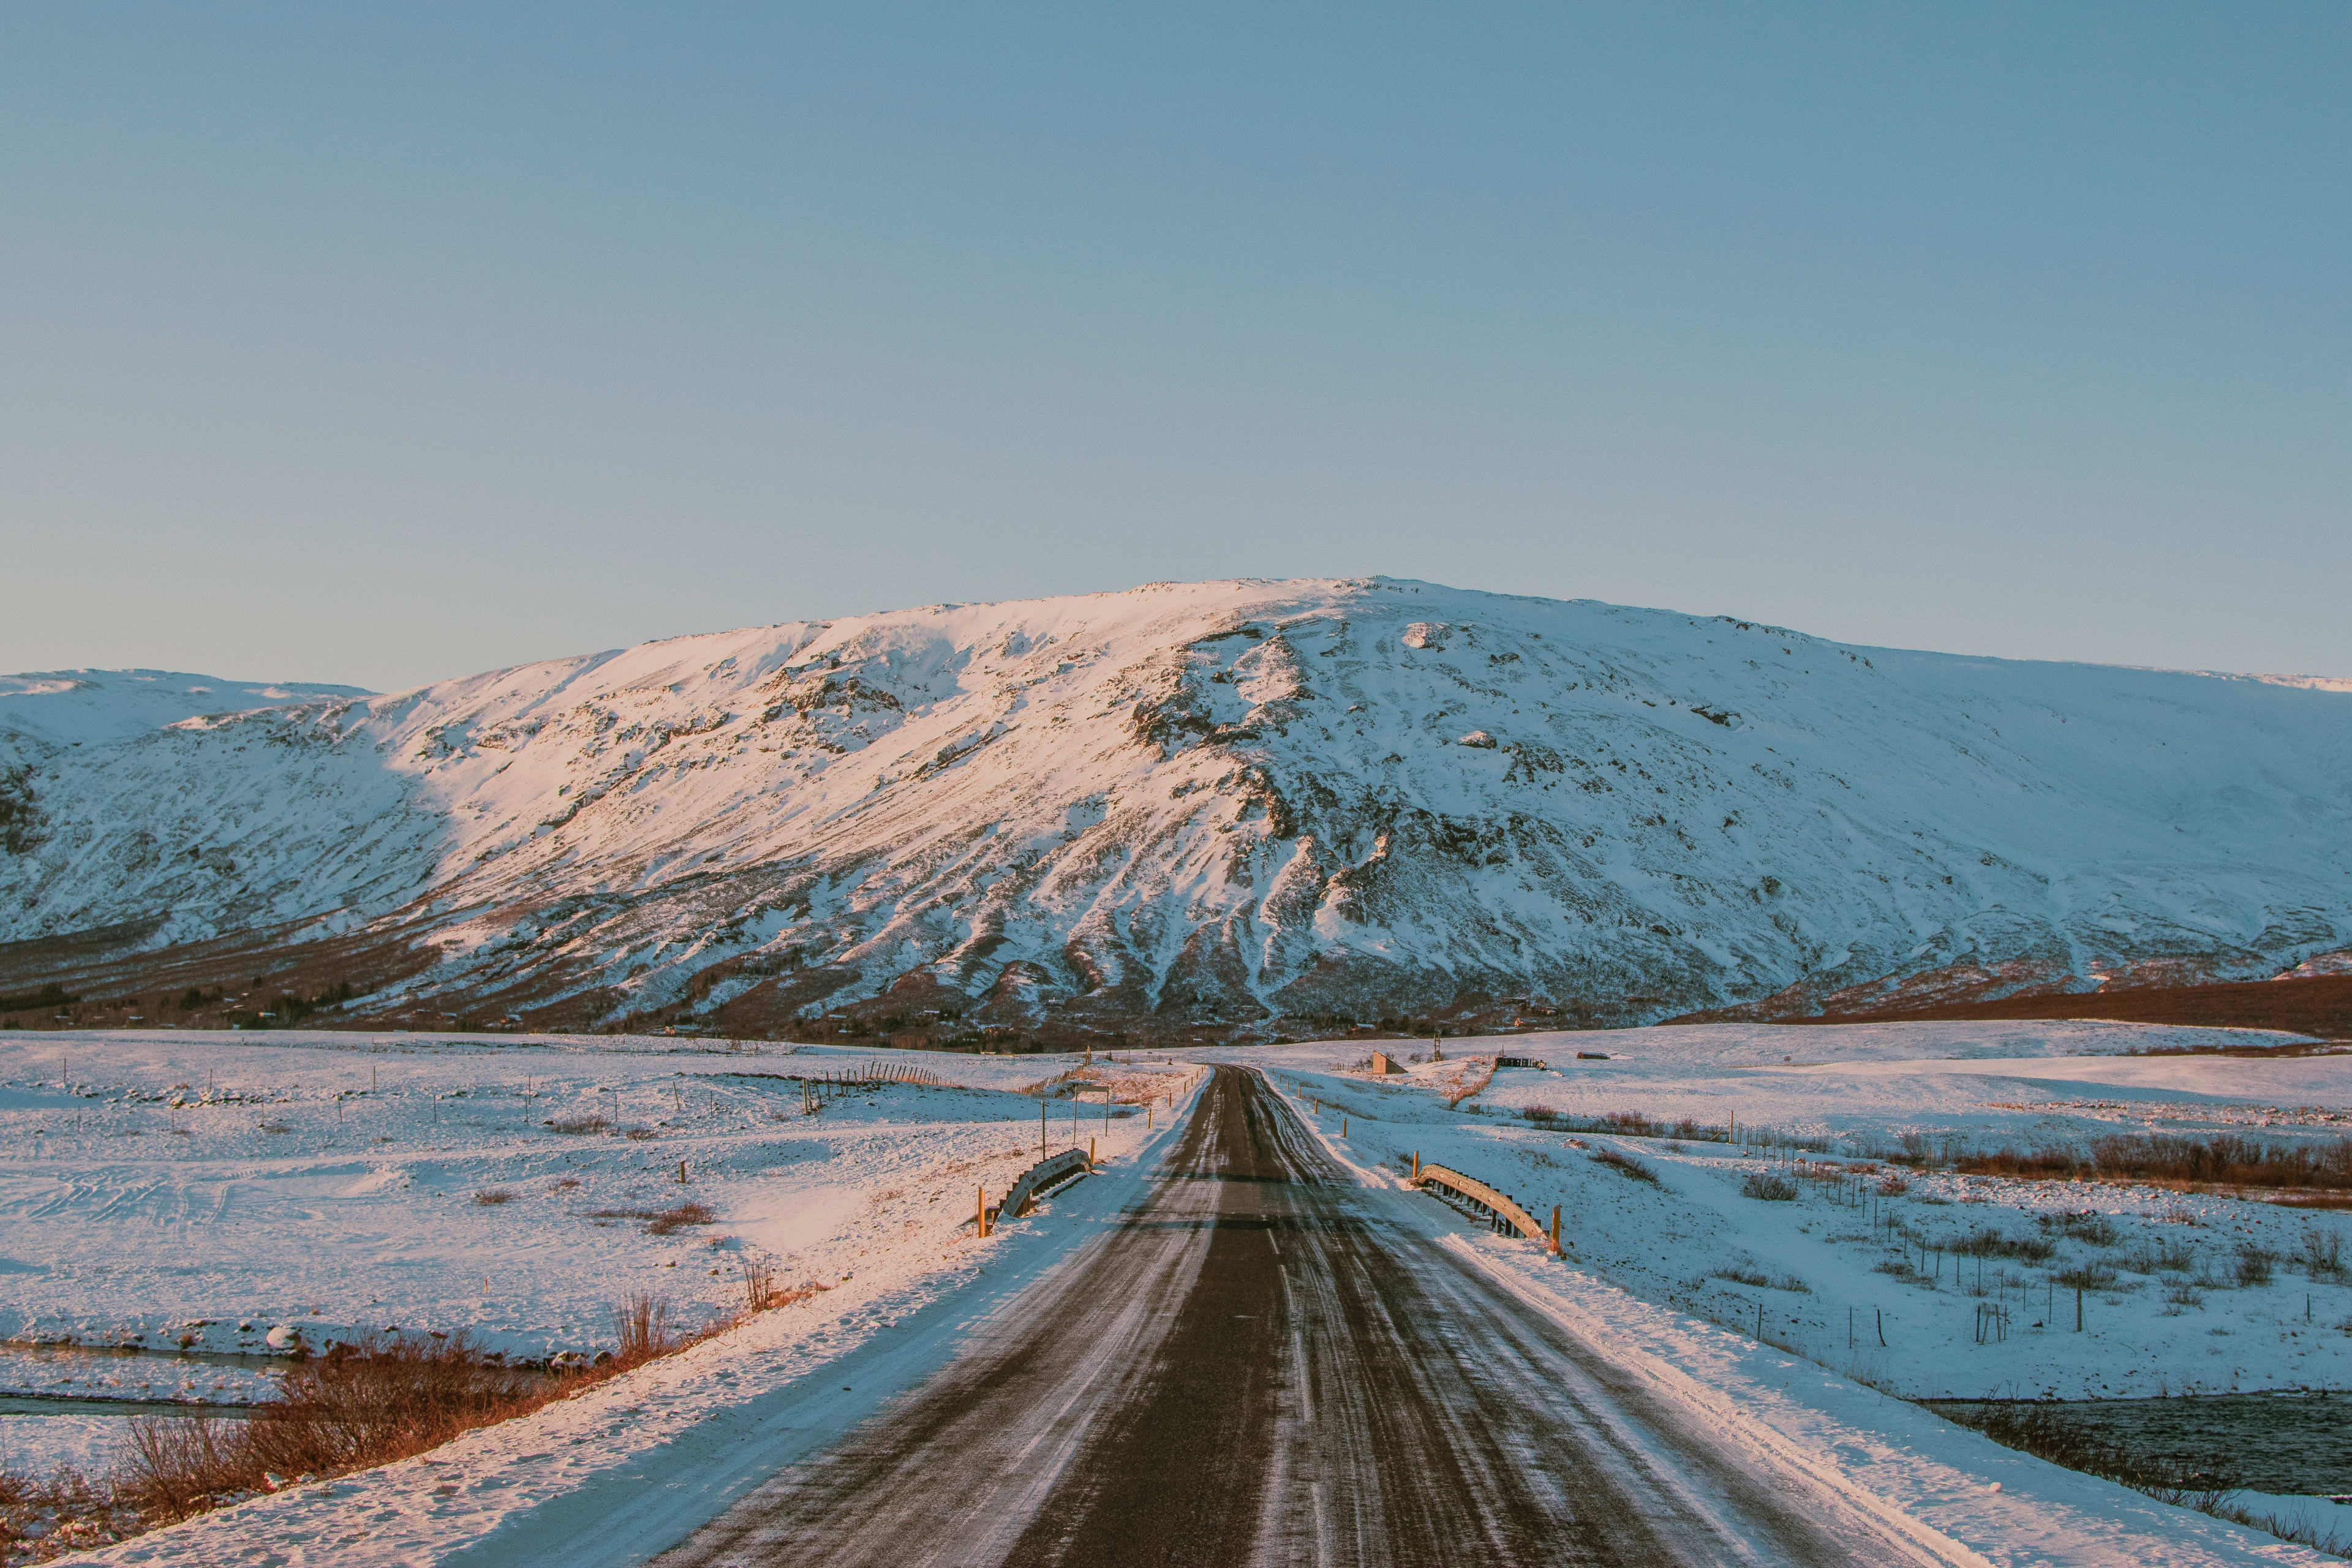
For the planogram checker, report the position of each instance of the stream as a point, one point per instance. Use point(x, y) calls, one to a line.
point(2290, 1443)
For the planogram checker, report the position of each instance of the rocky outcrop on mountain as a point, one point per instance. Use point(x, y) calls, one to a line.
point(1241, 808)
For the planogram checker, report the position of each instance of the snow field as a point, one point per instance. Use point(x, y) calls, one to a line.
point(1806, 1390)
point(689, 1432)
point(207, 1198)
point(1843, 1262)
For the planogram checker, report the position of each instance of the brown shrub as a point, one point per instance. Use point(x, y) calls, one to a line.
point(663, 1222)
point(1771, 1186)
point(641, 1325)
point(1625, 1166)
point(66, 1511)
point(176, 1465)
point(671, 1220)
point(759, 1284)
point(358, 1406)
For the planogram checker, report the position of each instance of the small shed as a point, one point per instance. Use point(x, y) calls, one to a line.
point(1382, 1066)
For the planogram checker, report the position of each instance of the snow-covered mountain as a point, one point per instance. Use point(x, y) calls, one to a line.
point(1251, 805)
point(42, 711)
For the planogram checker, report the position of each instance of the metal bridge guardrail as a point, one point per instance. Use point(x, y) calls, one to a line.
point(1497, 1206)
point(1037, 1178)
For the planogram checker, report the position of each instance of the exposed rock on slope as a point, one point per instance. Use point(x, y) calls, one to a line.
point(1236, 805)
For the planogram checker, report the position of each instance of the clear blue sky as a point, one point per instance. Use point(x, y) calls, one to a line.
point(383, 343)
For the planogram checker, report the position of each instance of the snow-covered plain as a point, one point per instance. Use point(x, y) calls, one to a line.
point(2174, 1319)
point(1699, 1258)
point(879, 1213)
point(203, 1196)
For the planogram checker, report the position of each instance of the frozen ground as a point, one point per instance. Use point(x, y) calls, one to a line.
point(211, 1194)
point(871, 1196)
point(1844, 1263)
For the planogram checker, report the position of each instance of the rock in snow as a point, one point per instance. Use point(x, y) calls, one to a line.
point(1244, 807)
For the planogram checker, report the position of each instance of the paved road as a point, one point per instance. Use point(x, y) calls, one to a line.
point(1257, 1367)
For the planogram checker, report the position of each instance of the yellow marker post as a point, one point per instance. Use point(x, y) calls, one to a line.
point(980, 1221)
point(1555, 1229)
point(1090, 1154)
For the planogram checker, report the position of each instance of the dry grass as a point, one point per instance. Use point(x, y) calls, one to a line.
point(1625, 1166)
point(491, 1197)
point(1989, 1242)
point(641, 1328)
point(1744, 1272)
point(759, 1284)
point(2084, 1224)
point(1628, 1125)
point(358, 1407)
point(577, 1126)
point(676, 1218)
point(40, 1519)
point(2223, 1159)
point(663, 1222)
point(1771, 1186)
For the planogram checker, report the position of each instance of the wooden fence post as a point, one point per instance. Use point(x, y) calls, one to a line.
point(1555, 1230)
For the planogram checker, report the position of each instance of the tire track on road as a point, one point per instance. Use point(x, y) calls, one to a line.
point(1256, 1366)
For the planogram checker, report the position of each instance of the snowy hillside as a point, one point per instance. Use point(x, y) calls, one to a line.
point(1253, 804)
point(59, 708)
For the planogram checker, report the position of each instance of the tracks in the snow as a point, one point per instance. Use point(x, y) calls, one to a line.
point(1256, 1366)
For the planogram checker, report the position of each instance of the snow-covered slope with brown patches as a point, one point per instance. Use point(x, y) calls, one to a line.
point(1231, 802)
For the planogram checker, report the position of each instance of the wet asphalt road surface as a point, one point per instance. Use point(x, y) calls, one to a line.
point(1255, 1367)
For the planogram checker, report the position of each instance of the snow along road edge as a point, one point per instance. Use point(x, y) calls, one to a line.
point(684, 1436)
point(1956, 1493)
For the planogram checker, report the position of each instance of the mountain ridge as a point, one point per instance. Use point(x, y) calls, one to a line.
point(1238, 809)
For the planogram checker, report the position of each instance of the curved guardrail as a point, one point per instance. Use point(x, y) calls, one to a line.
point(1032, 1182)
point(1497, 1206)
